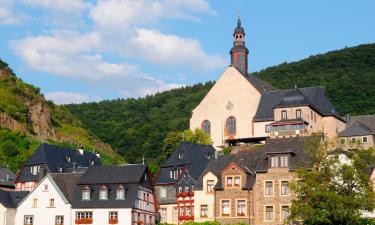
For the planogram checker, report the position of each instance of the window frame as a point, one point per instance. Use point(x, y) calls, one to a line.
point(122, 190)
point(210, 190)
point(86, 194)
point(281, 187)
point(284, 115)
point(28, 222)
point(229, 208)
point(298, 114)
point(363, 138)
point(281, 212)
point(206, 127)
point(245, 210)
point(201, 210)
point(51, 203)
point(231, 126)
point(272, 190)
point(265, 213)
point(57, 221)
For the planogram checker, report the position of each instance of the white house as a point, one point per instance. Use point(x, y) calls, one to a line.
point(48, 203)
point(8, 205)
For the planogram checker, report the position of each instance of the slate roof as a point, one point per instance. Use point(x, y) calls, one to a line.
point(315, 97)
point(359, 126)
point(11, 199)
point(129, 176)
point(56, 157)
point(293, 146)
point(259, 84)
point(6, 177)
point(67, 183)
point(239, 28)
point(194, 158)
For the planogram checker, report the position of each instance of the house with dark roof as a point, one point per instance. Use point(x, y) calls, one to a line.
point(48, 203)
point(241, 108)
point(6, 178)
point(176, 180)
point(359, 132)
point(114, 195)
point(9, 200)
point(53, 159)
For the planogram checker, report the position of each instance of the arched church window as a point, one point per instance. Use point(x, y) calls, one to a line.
point(206, 127)
point(231, 126)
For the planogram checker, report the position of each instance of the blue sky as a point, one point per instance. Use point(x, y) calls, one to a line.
point(81, 50)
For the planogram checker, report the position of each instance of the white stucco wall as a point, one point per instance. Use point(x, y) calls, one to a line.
point(101, 216)
point(171, 218)
point(43, 213)
point(202, 197)
point(232, 87)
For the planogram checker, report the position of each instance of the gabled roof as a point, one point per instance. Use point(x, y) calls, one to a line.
point(359, 125)
point(315, 97)
point(113, 174)
point(11, 199)
point(66, 182)
point(260, 85)
point(294, 146)
point(57, 158)
point(190, 156)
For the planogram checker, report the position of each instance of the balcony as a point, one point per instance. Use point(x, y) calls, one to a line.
point(84, 221)
point(288, 127)
point(113, 221)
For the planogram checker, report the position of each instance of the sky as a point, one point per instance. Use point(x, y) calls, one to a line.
point(92, 50)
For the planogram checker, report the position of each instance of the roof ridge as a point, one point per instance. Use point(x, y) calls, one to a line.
point(294, 89)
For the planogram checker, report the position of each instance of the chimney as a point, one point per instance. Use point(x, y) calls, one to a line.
point(347, 118)
point(74, 167)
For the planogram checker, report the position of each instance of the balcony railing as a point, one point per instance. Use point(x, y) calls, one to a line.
point(186, 217)
point(84, 221)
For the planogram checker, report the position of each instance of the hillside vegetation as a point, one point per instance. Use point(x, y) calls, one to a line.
point(26, 119)
point(137, 127)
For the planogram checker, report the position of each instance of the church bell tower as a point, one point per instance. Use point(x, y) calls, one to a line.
point(239, 53)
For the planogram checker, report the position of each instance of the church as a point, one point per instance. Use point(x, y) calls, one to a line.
point(241, 108)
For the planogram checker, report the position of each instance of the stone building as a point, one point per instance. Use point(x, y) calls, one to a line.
point(359, 132)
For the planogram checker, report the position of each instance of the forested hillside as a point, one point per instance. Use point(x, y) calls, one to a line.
point(137, 127)
point(27, 119)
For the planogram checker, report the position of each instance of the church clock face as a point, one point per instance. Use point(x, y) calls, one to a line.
point(229, 105)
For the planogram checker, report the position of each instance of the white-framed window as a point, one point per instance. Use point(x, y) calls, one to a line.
point(179, 189)
point(171, 174)
point(284, 212)
point(241, 207)
point(229, 181)
point(103, 193)
point(34, 170)
point(274, 161)
point(120, 193)
point(268, 188)
point(51, 202)
point(163, 192)
point(298, 113)
point(59, 220)
point(188, 211)
point(46, 187)
point(364, 140)
point(269, 213)
point(284, 161)
point(225, 208)
point(113, 217)
point(163, 215)
point(268, 128)
point(284, 115)
point(84, 215)
point(175, 174)
point(210, 186)
point(204, 211)
point(35, 203)
point(237, 181)
point(28, 220)
point(284, 188)
point(175, 213)
point(86, 192)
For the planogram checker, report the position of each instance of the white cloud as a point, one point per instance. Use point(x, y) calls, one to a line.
point(129, 12)
point(60, 5)
point(61, 97)
point(164, 49)
point(8, 16)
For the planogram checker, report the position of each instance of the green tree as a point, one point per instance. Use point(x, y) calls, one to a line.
point(334, 192)
point(174, 139)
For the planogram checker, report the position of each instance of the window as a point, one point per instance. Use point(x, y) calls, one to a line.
point(241, 208)
point(225, 208)
point(229, 181)
point(52, 202)
point(342, 141)
point(46, 187)
point(34, 170)
point(284, 188)
point(231, 126)
point(284, 161)
point(284, 115)
point(364, 139)
point(83, 218)
point(171, 174)
point(315, 117)
point(237, 181)
point(59, 220)
point(268, 188)
point(188, 211)
point(206, 127)
point(312, 114)
point(86, 193)
point(113, 217)
point(175, 174)
point(163, 215)
point(163, 192)
point(210, 186)
point(120, 193)
point(175, 213)
point(204, 211)
point(35, 203)
point(298, 113)
point(103, 193)
point(268, 128)
point(179, 189)
point(187, 189)
point(274, 161)
point(353, 140)
point(269, 213)
point(284, 212)
point(29, 220)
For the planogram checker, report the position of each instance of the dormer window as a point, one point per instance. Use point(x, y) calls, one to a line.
point(180, 155)
point(284, 115)
point(103, 193)
point(120, 193)
point(279, 161)
point(34, 170)
point(86, 192)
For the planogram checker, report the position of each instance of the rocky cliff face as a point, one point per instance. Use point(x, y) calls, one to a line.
point(41, 120)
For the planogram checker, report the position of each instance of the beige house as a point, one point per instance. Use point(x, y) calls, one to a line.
point(359, 132)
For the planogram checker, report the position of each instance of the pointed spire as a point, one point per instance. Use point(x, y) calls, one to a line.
point(239, 21)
